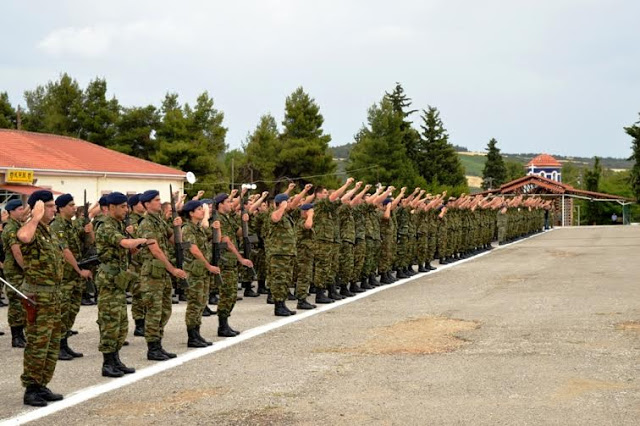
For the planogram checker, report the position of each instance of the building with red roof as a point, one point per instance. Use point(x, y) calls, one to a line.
point(31, 161)
point(546, 166)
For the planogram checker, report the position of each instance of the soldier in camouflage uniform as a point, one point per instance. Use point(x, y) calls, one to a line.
point(70, 236)
point(155, 283)
point(228, 264)
point(347, 227)
point(136, 214)
point(13, 271)
point(112, 279)
point(388, 234)
point(43, 269)
point(197, 265)
point(280, 243)
point(359, 248)
point(305, 255)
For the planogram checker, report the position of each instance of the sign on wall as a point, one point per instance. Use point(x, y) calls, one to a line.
point(18, 176)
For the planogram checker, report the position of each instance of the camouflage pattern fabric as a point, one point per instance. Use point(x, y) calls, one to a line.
point(280, 275)
point(13, 274)
point(197, 292)
point(281, 250)
point(304, 259)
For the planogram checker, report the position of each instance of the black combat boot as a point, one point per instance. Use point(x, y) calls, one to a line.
point(321, 297)
point(270, 300)
point(32, 397)
point(46, 394)
point(120, 364)
point(430, 266)
point(373, 282)
point(139, 330)
point(63, 355)
point(154, 352)
point(291, 296)
point(364, 284)
point(110, 366)
point(344, 291)
point(287, 308)
point(355, 288)
point(303, 304)
point(422, 268)
point(223, 328)
point(193, 341)
point(333, 293)
point(213, 299)
point(312, 289)
point(86, 300)
point(199, 336)
point(169, 354)
point(384, 278)
point(64, 343)
point(280, 310)
point(262, 287)
point(248, 290)
point(443, 260)
point(207, 312)
point(17, 337)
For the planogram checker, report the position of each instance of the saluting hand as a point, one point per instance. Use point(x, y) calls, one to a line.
point(308, 187)
point(38, 211)
point(291, 186)
point(350, 180)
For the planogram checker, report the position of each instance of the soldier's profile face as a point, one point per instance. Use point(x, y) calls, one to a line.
point(322, 194)
point(18, 214)
point(155, 205)
point(49, 211)
point(118, 211)
point(198, 213)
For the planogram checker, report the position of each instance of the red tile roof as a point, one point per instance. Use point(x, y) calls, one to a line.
point(544, 160)
point(41, 151)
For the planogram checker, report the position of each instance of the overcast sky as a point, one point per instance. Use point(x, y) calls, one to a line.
point(560, 76)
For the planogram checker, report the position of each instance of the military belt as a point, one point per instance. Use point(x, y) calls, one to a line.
point(35, 288)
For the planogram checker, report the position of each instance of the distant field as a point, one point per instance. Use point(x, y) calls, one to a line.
point(472, 163)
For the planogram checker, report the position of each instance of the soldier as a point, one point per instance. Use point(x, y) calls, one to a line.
point(228, 264)
point(281, 254)
point(43, 268)
point(155, 283)
point(73, 281)
point(359, 248)
point(137, 212)
point(347, 241)
point(305, 254)
point(112, 279)
point(198, 267)
point(13, 271)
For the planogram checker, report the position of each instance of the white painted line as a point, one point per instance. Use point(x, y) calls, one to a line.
point(86, 394)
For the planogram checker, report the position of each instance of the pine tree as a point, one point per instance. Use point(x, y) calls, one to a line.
point(8, 116)
point(634, 178)
point(401, 104)
point(134, 129)
point(438, 161)
point(98, 116)
point(304, 148)
point(494, 173)
point(379, 154)
point(262, 147)
point(592, 183)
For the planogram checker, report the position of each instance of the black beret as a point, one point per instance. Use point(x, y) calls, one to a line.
point(103, 201)
point(63, 200)
point(387, 201)
point(12, 205)
point(207, 201)
point(116, 198)
point(41, 195)
point(133, 200)
point(191, 206)
point(307, 206)
point(281, 197)
point(149, 195)
point(220, 198)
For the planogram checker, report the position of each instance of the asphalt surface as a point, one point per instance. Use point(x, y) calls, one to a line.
point(545, 331)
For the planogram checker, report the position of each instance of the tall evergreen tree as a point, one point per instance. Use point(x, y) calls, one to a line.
point(438, 161)
point(592, 183)
point(98, 116)
point(401, 105)
point(8, 116)
point(634, 178)
point(494, 173)
point(134, 129)
point(305, 148)
point(379, 154)
point(262, 147)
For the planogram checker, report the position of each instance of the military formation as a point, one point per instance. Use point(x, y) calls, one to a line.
point(315, 242)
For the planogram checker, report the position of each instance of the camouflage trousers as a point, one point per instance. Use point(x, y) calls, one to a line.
point(246, 274)
point(304, 271)
point(70, 298)
point(197, 296)
point(359, 253)
point(387, 251)
point(323, 258)
point(43, 341)
point(502, 227)
point(335, 261)
point(156, 300)
point(280, 276)
point(260, 263)
point(137, 308)
point(112, 314)
point(402, 252)
point(423, 244)
point(442, 242)
point(228, 291)
point(16, 314)
point(346, 263)
point(432, 243)
point(371, 257)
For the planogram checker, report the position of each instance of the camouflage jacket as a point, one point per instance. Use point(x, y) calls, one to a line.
point(43, 261)
point(70, 237)
point(153, 226)
point(229, 228)
point(304, 236)
point(324, 220)
point(359, 213)
point(108, 237)
point(12, 271)
point(196, 235)
point(347, 224)
point(281, 238)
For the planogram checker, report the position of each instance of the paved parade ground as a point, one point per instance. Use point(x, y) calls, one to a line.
point(544, 331)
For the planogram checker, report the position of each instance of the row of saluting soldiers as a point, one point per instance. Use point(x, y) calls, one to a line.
point(330, 243)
